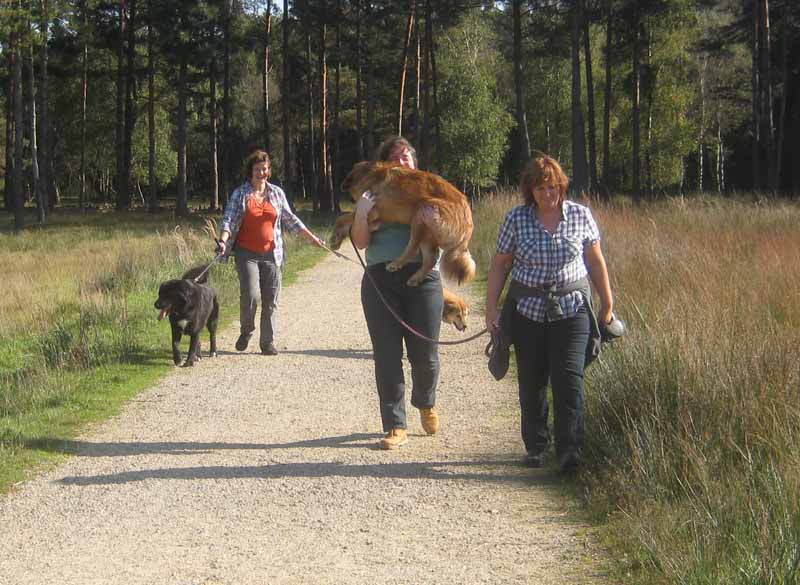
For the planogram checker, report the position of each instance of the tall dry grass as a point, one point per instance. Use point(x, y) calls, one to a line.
point(693, 419)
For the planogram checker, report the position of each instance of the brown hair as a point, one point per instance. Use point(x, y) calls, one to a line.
point(255, 157)
point(387, 146)
point(540, 170)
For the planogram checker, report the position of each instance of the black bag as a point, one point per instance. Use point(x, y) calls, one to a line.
point(498, 353)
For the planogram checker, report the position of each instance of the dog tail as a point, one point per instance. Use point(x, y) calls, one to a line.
point(193, 273)
point(457, 264)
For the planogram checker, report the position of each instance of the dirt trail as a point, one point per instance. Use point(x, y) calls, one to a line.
point(261, 470)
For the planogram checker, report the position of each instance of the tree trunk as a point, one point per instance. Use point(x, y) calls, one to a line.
point(519, 87)
point(784, 97)
point(38, 191)
point(359, 97)
point(648, 155)
point(130, 103)
point(213, 139)
point(336, 162)
point(285, 104)
point(122, 200)
point(152, 196)
point(702, 137)
point(437, 161)
point(417, 79)
point(45, 150)
point(755, 83)
point(324, 188)
point(181, 203)
point(403, 69)
point(18, 198)
point(8, 191)
point(578, 129)
point(265, 78)
point(592, 122)
point(226, 105)
point(84, 99)
point(767, 116)
point(369, 140)
point(607, 107)
point(637, 108)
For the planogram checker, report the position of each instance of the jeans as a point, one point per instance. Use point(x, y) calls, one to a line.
point(419, 306)
point(554, 351)
point(259, 281)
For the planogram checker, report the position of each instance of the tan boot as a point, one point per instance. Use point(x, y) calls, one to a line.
point(430, 420)
point(394, 439)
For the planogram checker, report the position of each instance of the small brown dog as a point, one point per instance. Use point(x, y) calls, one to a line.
point(438, 213)
point(455, 310)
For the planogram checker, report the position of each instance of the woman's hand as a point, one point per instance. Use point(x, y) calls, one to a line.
point(492, 319)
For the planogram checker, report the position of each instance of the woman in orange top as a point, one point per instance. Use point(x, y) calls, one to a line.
point(252, 222)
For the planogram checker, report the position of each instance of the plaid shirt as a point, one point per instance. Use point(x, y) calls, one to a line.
point(541, 258)
point(237, 206)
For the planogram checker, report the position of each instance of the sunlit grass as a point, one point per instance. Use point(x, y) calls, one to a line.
point(78, 309)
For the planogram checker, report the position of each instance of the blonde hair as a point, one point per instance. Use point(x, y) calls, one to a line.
point(255, 157)
point(540, 170)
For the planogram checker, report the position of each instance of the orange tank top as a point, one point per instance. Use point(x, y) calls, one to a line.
point(257, 232)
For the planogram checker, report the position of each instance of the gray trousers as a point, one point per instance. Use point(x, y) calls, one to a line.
point(421, 307)
point(259, 281)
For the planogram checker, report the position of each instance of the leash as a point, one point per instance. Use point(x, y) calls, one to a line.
point(392, 311)
point(207, 268)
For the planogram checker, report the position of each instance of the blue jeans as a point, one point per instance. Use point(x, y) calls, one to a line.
point(419, 306)
point(259, 281)
point(551, 352)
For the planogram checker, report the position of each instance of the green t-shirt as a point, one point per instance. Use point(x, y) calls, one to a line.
point(389, 242)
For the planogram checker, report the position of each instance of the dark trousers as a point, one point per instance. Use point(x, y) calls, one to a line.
point(419, 306)
point(551, 352)
point(259, 281)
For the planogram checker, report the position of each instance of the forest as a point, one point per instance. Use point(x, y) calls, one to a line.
point(154, 103)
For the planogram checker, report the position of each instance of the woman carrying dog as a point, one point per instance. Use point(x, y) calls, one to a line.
point(252, 228)
point(420, 306)
point(549, 245)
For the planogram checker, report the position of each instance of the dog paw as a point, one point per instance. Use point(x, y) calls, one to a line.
point(212, 354)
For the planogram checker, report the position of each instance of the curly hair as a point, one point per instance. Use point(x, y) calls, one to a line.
point(255, 157)
point(384, 151)
point(540, 170)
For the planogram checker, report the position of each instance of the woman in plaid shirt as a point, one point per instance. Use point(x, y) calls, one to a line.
point(549, 245)
point(252, 222)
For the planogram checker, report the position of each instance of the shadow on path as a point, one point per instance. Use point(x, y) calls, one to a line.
point(121, 449)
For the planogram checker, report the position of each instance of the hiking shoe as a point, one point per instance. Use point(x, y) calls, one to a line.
point(430, 420)
point(394, 439)
point(269, 349)
point(244, 339)
point(569, 461)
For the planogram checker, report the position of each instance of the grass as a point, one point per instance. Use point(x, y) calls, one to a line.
point(693, 421)
point(78, 334)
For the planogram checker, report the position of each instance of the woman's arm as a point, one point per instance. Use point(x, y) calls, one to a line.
point(498, 272)
point(598, 272)
point(359, 232)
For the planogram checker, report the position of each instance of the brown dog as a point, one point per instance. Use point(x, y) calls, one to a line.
point(438, 213)
point(455, 310)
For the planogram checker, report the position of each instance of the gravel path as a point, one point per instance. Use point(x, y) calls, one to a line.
point(262, 470)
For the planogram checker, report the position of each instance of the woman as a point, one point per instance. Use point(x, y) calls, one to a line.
point(420, 306)
point(549, 245)
point(251, 227)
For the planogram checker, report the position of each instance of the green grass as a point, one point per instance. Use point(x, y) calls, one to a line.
point(78, 332)
point(693, 422)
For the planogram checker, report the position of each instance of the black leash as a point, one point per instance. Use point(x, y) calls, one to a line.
point(394, 313)
point(207, 268)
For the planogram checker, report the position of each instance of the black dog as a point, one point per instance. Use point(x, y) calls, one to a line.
point(191, 306)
